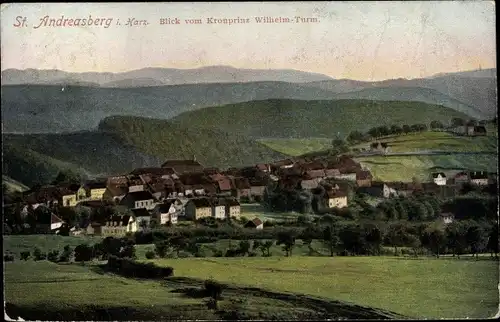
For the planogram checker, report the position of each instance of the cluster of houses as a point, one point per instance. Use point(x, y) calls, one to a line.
point(186, 190)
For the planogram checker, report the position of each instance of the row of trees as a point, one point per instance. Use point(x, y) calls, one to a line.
point(384, 130)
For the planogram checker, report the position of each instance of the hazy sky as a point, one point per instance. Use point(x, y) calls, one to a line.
point(358, 40)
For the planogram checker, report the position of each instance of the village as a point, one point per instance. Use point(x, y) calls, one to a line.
point(185, 190)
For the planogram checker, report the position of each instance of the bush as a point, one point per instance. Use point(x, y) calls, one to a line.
point(217, 253)
point(53, 255)
point(252, 254)
point(128, 252)
point(83, 253)
point(66, 254)
point(8, 257)
point(130, 268)
point(213, 289)
point(150, 254)
point(25, 256)
point(38, 255)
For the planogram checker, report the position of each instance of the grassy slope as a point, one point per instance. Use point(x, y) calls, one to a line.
point(441, 141)
point(13, 185)
point(404, 168)
point(418, 288)
point(295, 147)
point(303, 119)
point(31, 286)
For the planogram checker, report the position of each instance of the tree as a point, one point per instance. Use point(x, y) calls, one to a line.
point(25, 256)
point(414, 242)
point(476, 239)
point(456, 121)
point(214, 290)
point(330, 238)
point(83, 253)
point(374, 238)
point(374, 132)
point(355, 137)
point(434, 239)
point(287, 239)
point(396, 129)
point(396, 236)
point(67, 177)
point(406, 129)
point(244, 247)
point(456, 238)
point(66, 254)
point(38, 255)
point(493, 244)
point(178, 242)
point(144, 225)
point(436, 125)
point(161, 248)
point(53, 255)
point(128, 251)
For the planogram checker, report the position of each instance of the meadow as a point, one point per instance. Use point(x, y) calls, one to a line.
point(251, 211)
point(419, 288)
point(296, 147)
point(434, 140)
point(405, 168)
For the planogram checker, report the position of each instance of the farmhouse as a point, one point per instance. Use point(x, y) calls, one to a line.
point(242, 188)
point(118, 226)
point(93, 190)
point(115, 192)
point(218, 208)
point(461, 177)
point(364, 178)
point(166, 212)
point(93, 228)
point(447, 218)
point(143, 219)
point(198, 208)
point(336, 198)
point(439, 178)
point(135, 183)
point(479, 178)
point(255, 223)
point(138, 199)
point(233, 208)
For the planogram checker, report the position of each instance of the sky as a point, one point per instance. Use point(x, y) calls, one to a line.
point(357, 40)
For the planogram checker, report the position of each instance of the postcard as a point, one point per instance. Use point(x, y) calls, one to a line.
point(249, 160)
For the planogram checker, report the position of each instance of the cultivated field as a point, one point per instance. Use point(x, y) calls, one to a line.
point(251, 211)
point(431, 140)
point(404, 168)
point(295, 147)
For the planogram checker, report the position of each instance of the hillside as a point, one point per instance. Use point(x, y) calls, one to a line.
point(50, 109)
point(414, 94)
point(168, 76)
point(122, 144)
point(13, 185)
point(304, 119)
point(477, 89)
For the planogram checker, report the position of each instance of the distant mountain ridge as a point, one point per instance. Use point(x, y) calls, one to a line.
point(159, 76)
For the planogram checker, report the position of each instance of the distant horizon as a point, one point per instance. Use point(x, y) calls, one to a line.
point(366, 40)
point(245, 68)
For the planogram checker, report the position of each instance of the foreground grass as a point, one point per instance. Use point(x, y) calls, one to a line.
point(43, 290)
point(19, 243)
point(430, 288)
point(295, 147)
point(404, 168)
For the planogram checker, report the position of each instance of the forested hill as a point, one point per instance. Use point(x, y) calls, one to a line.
point(284, 118)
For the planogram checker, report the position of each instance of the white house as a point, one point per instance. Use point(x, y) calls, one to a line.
point(166, 212)
point(439, 178)
point(143, 219)
point(219, 209)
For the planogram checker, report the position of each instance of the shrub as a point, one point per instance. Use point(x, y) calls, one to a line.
point(213, 289)
point(150, 254)
point(25, 256)
point(83, 253)
point(38, 255)
point(128, 252)
point(217, 253)
point(161, 248)
point(8, 257)
point(252, 254)
point(66, 254)
point(130, 268)
point(53, 255)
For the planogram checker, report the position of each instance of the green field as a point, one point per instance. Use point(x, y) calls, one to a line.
point(296, 147)
point(44, 290)
point(19, 243)
point(441, 141)
point(404, 168)
point(251, 211)
point(417, 288)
